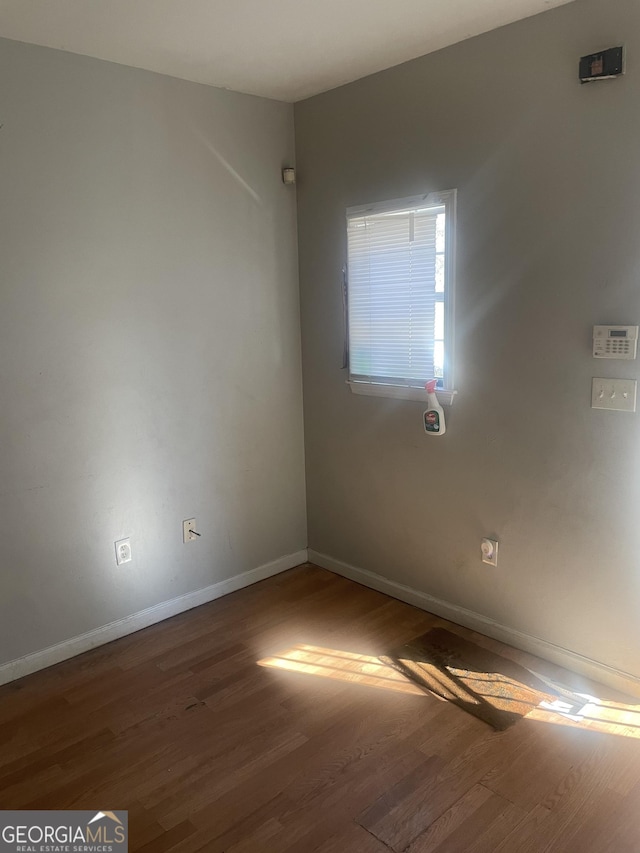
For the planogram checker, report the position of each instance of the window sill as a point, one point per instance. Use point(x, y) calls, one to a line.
point(400, 392)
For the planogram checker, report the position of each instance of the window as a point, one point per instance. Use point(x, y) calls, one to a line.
point(400, 295)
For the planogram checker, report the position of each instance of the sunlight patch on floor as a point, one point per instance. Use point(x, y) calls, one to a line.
point(600, 715)
point(595, 714)
point(342, 666)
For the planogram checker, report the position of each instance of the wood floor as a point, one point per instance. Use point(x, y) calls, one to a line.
point(263, 723)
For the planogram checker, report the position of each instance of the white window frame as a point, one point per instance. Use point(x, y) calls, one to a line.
point(405, 390)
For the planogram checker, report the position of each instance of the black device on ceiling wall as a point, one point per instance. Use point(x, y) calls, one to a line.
point(601, 66)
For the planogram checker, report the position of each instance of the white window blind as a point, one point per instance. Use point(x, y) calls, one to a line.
point(398, 284)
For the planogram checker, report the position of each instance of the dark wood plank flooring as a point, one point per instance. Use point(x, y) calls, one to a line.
point(263, 723)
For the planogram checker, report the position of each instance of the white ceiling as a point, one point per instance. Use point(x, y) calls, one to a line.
point(284, 49)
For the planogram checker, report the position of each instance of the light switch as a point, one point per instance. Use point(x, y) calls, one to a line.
point(618, 395)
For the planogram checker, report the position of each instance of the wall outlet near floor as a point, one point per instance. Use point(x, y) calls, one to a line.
point(123, 551)
point(489, 551)
point(189, 531)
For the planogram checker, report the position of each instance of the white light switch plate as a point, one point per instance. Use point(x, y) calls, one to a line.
point(618, 395)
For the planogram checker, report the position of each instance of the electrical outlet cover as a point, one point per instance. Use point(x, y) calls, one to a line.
point(123, 551)
point(489, 551)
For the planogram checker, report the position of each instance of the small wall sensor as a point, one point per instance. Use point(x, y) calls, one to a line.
point(288, 175)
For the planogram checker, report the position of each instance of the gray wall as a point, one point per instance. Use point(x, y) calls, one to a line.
point(548, 174)
point(149, 341)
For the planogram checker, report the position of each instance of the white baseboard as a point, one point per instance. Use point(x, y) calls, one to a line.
point(129, 624)
point(592, 669)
